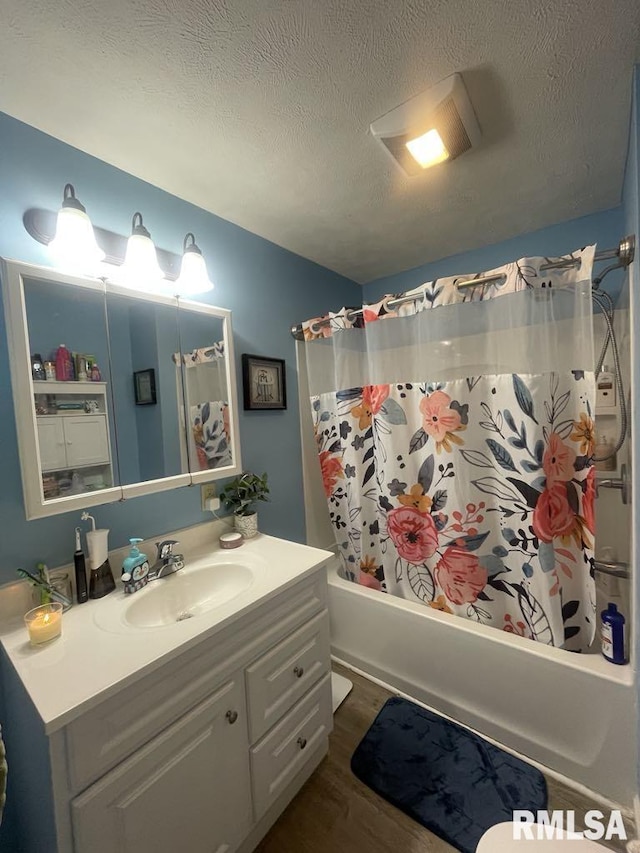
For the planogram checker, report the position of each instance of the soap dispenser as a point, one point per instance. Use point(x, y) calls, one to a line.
point(101, 580)
point(135, 569)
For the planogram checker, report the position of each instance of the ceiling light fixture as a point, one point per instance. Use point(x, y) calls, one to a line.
point(432, 127)
point(140, 269)
point(193, 278)
point(74, 246)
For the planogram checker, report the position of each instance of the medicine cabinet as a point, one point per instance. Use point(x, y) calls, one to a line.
point(152, 403)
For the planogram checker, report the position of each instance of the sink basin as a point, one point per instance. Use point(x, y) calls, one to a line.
point(186, 594)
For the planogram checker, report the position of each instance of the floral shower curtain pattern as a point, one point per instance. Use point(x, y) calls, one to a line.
point(455, 436)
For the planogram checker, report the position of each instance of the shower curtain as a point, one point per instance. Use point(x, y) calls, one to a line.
point(455, 436)
point(209, 436)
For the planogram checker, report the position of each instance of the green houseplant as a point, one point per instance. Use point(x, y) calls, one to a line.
point(240, 495)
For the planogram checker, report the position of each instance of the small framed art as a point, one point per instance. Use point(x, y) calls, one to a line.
point(144, 383)
point(263, 382)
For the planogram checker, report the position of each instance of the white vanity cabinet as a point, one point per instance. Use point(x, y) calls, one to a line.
point(187, 789)
point(202, 753)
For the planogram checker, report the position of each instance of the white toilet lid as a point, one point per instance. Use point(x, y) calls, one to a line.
point(499, 839)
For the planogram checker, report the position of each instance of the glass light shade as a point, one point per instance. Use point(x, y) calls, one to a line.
point(193, 278)
point(428, 149)
point(74, 246)
point(140, 270)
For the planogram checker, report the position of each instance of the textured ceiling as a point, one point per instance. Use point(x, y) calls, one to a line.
point(258, 110)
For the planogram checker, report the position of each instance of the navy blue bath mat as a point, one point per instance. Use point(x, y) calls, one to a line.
point(448, 779)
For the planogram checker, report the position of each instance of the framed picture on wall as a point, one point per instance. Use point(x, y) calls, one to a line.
point(263, 382)
point(144, 384)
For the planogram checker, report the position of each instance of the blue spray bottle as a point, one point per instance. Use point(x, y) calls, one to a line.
point(612, 634)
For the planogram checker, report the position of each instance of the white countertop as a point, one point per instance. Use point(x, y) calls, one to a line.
point(98, 654)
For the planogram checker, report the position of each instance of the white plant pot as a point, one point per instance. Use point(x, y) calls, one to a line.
point(246, 524)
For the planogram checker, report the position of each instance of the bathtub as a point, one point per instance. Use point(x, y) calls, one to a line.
point(573, 714)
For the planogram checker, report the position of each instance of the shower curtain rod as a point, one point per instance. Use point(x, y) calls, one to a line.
point(624, 253)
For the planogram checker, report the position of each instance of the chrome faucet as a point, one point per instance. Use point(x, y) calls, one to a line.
point(167, 563)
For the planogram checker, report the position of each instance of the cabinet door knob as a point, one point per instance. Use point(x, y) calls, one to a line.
point(232, 716)
point(298, 671)
point(302, 742)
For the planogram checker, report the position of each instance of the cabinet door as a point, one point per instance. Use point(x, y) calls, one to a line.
point(186, 790)
point(86, 440)
point(53, 455)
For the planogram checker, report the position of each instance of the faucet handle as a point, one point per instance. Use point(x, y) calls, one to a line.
point(165, 548)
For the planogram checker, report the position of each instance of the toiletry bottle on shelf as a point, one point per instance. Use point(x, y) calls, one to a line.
point(81, 571)
point(96, 376)
point(101, 580)
point(612, 634)
point(64, 367)
point(37, 368)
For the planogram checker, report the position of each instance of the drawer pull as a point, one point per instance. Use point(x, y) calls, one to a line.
point(298, 671)
point(302, 742)
point(232, 716)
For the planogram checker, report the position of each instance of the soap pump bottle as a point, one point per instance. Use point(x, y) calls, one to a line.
point(81, 571)
point(101, 580)
point(612, 634)
point(135, 568)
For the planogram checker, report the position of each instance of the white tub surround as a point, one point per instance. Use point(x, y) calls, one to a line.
point(572, 713)
point(196, 733)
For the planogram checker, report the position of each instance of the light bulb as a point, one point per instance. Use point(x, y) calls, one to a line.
point(74, 246)
point(193, 278)
point(140, 270)
point(428, 149)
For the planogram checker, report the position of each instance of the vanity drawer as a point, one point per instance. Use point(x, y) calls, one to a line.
point(280, 677)
point(280, 755)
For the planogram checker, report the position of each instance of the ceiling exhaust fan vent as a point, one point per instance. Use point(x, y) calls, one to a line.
point(435, 126)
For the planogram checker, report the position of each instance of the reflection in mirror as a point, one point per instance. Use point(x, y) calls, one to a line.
point(205, 391)
point(72, 390)
point(143, 337)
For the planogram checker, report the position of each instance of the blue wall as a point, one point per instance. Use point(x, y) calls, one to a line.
point(266, 287)
point(604, 228)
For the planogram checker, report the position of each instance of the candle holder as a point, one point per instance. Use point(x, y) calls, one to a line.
point(44, 623)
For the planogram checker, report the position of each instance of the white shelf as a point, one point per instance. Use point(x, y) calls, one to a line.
point(69, 387)
point(66, 413)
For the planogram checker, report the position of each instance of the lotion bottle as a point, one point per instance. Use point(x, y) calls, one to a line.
point(64, 368)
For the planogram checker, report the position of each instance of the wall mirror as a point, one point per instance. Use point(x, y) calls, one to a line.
point(148, 402)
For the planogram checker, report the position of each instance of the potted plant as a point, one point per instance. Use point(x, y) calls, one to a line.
point(239, 495)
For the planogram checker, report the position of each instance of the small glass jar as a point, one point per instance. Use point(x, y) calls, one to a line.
point(62, 583)
point(50, 371)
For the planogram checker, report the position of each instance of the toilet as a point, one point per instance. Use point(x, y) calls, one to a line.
point(500, 839)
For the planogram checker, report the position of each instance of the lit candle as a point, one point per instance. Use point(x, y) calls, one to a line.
point(44, 623)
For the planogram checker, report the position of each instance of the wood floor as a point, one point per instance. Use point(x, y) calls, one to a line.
point(336, 813)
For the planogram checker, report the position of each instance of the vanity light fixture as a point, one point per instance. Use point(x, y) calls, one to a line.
point(74, 247)
point(432, 127)
point(140, 270)
point(193, 278)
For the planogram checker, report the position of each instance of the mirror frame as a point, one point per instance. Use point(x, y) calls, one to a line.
point(13, 275)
